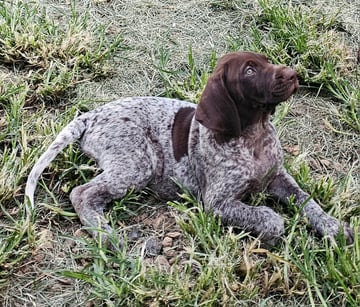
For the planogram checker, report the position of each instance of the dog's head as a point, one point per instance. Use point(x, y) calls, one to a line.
point(243, 88)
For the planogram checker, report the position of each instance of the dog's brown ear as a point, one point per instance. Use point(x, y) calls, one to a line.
point(217, 110)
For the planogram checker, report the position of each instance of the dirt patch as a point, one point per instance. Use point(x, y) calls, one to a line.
point(310, 127)
point(158, 237)
point(150, 26)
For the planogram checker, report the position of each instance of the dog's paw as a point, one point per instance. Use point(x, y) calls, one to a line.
point(332, 229)
point(271, 227)
point(348, 233)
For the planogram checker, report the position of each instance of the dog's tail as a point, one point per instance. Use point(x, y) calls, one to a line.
point(68, 135)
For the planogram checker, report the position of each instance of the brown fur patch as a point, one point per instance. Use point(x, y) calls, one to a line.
point(180, 132)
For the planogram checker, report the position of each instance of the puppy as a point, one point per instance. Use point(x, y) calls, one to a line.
point(224, 149)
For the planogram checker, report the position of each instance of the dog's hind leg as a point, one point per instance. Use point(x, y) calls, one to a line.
point(91, 199)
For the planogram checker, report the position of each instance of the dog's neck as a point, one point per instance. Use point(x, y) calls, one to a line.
point(253, 118)
point(252, 122)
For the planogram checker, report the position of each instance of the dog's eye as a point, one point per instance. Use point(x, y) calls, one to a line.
point(249, 71)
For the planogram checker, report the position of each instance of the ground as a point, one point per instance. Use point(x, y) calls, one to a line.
point(176, 255)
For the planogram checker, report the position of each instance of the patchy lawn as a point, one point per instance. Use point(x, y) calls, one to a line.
point(61, 58)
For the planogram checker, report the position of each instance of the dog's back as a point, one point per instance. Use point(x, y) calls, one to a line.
point(118, 131)
point(112, 134)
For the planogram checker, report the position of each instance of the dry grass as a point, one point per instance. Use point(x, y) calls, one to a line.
point(318, 143)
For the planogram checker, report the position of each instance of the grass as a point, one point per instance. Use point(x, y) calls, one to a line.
point(43, 61)
point(51, 58)
point(59, 59)
point(313, 43)
point(187, 82)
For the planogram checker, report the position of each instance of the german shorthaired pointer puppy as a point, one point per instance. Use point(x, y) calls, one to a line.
point(225, 148)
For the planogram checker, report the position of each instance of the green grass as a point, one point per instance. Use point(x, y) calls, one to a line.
point(59, 59)
point(185, 82)
point(219, 266)
point(43, 61)
point(51, 58)
point(311, 41)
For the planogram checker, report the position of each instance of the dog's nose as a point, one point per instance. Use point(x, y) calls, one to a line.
point(291, 74)
point(287, 74)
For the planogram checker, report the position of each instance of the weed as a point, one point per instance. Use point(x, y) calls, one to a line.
point(51, 58)
point(188, 82)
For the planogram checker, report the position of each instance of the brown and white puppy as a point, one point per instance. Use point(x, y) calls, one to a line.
point(223, 149)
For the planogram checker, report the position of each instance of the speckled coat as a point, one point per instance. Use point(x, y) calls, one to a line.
point(222, 150)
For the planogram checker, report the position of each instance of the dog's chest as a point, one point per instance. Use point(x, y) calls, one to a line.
point(266, 153)
point(255, 160)
point(265, 158)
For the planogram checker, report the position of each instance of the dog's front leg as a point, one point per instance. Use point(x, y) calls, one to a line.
point(284, 186)
point(260, 221)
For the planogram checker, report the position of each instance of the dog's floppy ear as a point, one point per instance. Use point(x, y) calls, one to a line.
point(217, 110)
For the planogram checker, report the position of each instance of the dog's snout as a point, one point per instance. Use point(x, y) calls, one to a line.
point(286, 74)
point(291, 74)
